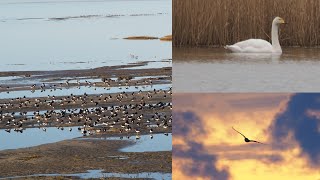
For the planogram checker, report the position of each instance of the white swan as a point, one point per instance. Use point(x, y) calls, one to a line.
point(260, 45)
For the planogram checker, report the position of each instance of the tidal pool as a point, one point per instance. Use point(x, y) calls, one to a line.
point(101, 174)
point(217, 70)
point(159, 142)
point(36, 136)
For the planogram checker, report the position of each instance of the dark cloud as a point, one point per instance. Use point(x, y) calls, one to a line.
point(265, 158)
point(303, 127)
point(271, 159)
point(187, 124)
point(203, 164)
point(239, 152)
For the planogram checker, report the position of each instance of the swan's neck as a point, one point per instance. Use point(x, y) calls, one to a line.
point(275, 38)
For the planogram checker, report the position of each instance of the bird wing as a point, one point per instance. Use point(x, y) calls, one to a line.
point(256, 141)
point(254, 43)
point(251, 46)
point(239, 132)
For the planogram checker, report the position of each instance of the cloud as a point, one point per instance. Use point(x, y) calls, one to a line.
point(203, 164)
point(256, 101)
point(190, 127)
point(313, 113)
point(193, 101)
point(244, 152)
point(296, 121)
point(224, 104)
point(265, 158)
point(187, 123)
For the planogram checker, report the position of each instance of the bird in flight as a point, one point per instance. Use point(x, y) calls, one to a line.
point(245, 138)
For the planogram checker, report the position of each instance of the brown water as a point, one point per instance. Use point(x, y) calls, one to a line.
point(217, 70)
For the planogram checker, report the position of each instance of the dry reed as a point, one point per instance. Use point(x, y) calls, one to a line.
point(166, 38)
point(140, 37)
point(221, 22)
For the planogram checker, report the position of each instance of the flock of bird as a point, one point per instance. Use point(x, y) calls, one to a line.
point(126, 113)
point(107, 83)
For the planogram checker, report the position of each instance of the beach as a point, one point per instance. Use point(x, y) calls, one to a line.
point(77, 99)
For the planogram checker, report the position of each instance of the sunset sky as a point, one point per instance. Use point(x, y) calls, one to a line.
point(206, 147)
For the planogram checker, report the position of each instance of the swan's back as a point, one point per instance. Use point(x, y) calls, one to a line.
point(251, 46)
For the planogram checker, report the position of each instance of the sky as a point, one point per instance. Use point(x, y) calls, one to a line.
point(206, 147)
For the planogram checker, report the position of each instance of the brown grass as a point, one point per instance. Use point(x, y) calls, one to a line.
point(166, 38)
point(140, 37)
point(221, 22)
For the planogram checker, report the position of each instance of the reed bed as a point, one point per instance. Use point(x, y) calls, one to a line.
point(221, 22)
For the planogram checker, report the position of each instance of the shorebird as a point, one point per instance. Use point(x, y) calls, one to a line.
point(245, 138)
point(50, 110)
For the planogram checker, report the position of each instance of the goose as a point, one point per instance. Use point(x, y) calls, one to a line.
point(260, 45)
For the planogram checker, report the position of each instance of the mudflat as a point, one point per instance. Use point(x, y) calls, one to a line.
point(75, 156)
point(102, 114)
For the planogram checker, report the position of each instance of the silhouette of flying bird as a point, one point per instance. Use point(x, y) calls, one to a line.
point(245, 138)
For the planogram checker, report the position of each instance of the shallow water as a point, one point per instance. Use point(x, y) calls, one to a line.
point(81, 91)
point(100, 174)
point(160, 142)
point(7, 80)
point(217, 70)
point(34, 42)
point(97, 79)
point(35, 136)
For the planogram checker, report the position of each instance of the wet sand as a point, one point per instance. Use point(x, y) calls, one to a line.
point(107, 72)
